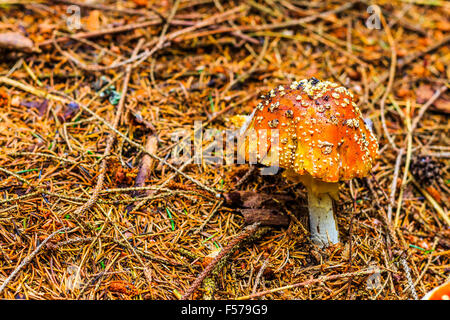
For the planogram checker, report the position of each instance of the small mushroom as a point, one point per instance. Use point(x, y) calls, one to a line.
point(323, 140)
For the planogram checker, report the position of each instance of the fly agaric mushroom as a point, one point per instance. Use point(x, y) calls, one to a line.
point(439, 293)
point(322, 139)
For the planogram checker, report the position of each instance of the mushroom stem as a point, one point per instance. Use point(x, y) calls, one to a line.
point(322, 224)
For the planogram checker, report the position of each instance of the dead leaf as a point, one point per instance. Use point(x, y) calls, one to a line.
point(142, 3)
point(237, 120)
point(267, 273)
point(41, 106)
point(418, 70)
point(46, 27)
point(425, 92)
point(146, 166)
point(403, 92)
point(210, 257)
point(442, 105)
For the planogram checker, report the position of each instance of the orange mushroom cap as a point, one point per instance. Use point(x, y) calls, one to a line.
point(321, 131)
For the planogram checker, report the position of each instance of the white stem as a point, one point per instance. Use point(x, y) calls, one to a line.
point(322, 225)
